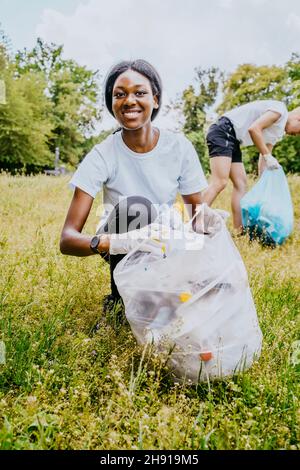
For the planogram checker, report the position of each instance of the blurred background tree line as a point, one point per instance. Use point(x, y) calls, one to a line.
point(53, 102)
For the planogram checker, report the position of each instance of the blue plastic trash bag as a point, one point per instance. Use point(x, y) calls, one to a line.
point(267, 209)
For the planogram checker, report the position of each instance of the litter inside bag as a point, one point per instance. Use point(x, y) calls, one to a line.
point(267, 210)
point(195, 304)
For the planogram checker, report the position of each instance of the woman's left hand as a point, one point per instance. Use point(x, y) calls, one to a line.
point(209, 221)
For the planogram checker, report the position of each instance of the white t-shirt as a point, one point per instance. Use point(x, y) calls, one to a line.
point(244, 116)
point(171, 166)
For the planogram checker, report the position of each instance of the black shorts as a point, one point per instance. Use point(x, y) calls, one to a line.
point(222, 142)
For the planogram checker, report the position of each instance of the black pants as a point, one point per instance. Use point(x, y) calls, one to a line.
point(222, 142)
point(131, 213)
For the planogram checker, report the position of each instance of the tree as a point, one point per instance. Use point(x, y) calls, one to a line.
point(251, 82)
point(73, 92)
point(292, 69)
point(24, 124)
point(194, 106)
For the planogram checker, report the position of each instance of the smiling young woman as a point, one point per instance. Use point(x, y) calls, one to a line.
point(139, 168)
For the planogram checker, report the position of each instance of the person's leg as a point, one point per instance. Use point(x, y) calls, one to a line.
point(239, 180)
point(131, 213)
point(220, 170)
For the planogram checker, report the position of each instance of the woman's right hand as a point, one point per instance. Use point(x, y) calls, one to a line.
point(271, 162)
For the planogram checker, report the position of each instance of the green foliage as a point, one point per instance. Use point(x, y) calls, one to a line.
point(50, 102)
point(288, 153)
point(293, 79)
point(193, 110)
point(73, 93)
point(198, 141)
point(24, 124)
point(194, 105)
point(251, 82)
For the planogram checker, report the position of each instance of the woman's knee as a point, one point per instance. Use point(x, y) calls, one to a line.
point(240, 184)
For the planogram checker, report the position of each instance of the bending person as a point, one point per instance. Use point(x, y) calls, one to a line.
point(260, 123)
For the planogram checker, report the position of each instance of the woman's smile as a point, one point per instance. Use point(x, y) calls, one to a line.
point(131, 113)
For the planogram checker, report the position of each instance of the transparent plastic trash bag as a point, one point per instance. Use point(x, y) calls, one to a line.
point(267, 209)
point(195, 304)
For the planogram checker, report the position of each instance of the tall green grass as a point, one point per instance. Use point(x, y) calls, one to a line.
point(75, 380)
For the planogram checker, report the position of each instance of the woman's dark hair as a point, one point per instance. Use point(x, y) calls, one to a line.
point(144, 68)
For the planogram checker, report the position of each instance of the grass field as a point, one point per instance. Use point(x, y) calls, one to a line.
point(67, 385)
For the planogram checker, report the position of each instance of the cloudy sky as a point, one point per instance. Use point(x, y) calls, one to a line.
point(175, 35)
